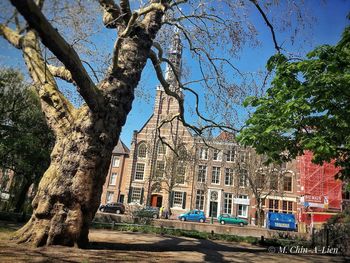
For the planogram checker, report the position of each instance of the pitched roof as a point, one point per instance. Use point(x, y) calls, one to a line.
point(226, 136)
point(121, 148)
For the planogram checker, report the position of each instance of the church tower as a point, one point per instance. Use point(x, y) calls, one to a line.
point(164, 104)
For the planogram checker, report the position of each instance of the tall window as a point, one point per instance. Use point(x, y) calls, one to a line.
point(287, 182)
point(273, 205)
point(203, 153)
point(160, 169)
point(113, 179)
point(178, 199)
point(230, 155)
point(228, 203)
point(200, 199)
point(136, 195)
point(161, 149)
point(109, 197)
point(287, 207)
point(142, 150)
point(202, 173)
point(242, 211)
point(140, 170)
point(181, 170)
point(243, 156)
point(228, 176)
point(243, 178)
point(215, 175)
point(115, 161)
point(217, 155)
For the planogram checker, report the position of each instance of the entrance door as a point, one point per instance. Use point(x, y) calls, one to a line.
point(156, 200)
point(159, 201)
point(213, 209)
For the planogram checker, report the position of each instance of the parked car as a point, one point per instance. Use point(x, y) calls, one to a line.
point(148, 211)
point(117, 208)
point(230, 219)
point(193, 215)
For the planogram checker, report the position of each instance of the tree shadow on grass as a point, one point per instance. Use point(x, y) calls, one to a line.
point(212, 251)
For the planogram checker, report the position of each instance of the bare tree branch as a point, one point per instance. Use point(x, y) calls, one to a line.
point(63, 51)
point(60, 72)
point(198, 130)
point(277, 47)
point(11, 36)
point(111, 13)
point(125, 8)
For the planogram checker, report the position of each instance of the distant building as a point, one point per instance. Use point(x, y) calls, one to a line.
point(114, 187)
point(216, 175)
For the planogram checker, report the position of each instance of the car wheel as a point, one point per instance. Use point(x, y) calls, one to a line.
point(241, 224)
point(183, 219)
point(117, 211)
point(155, 216)
point(222, 222)
point(102, 210)
point(201, 220)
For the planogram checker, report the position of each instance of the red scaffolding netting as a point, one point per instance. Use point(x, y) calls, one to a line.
point(318, 185)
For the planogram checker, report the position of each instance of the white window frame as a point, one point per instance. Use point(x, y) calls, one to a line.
point(144, 152)
point(109, 197)
point(215, 174)
point(115, 161)
point(136, 195)
point(230, 175)
point(217, 155)
point(230, 156)
point(113, 179)
point(160, 172)
point(181, 175)
point(200, 199)
point(137, 172)
point(200, 170)
point(243, 183)
point(203, 153)
point(244, 210)
point(178, 199)
point(228, 203)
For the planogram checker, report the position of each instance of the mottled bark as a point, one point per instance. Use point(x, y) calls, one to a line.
point(69, 193)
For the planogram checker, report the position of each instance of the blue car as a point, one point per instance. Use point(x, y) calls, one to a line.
point(193, 215)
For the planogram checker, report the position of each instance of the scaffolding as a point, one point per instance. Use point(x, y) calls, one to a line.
point(318, 184)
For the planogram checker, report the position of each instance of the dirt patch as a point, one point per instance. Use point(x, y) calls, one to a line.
point(110, 246)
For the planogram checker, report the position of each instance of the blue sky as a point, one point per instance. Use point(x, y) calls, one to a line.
point(330, 22)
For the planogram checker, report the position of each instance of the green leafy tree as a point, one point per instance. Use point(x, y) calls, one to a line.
point(25, 139)
point(307, 107)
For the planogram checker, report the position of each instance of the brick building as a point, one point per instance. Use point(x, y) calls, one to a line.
point(114, 187)
point(216, 176)
point(208, 178)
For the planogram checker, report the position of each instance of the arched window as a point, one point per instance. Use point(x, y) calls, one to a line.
point(142, 150)
point(161, 149)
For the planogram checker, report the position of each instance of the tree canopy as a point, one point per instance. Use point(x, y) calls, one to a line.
point(307, 107)
point(25, 139)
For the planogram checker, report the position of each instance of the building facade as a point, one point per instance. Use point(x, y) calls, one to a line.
point(168, 166)
point(114, 187)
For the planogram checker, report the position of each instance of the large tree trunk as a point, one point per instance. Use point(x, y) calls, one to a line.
point(69, 192)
